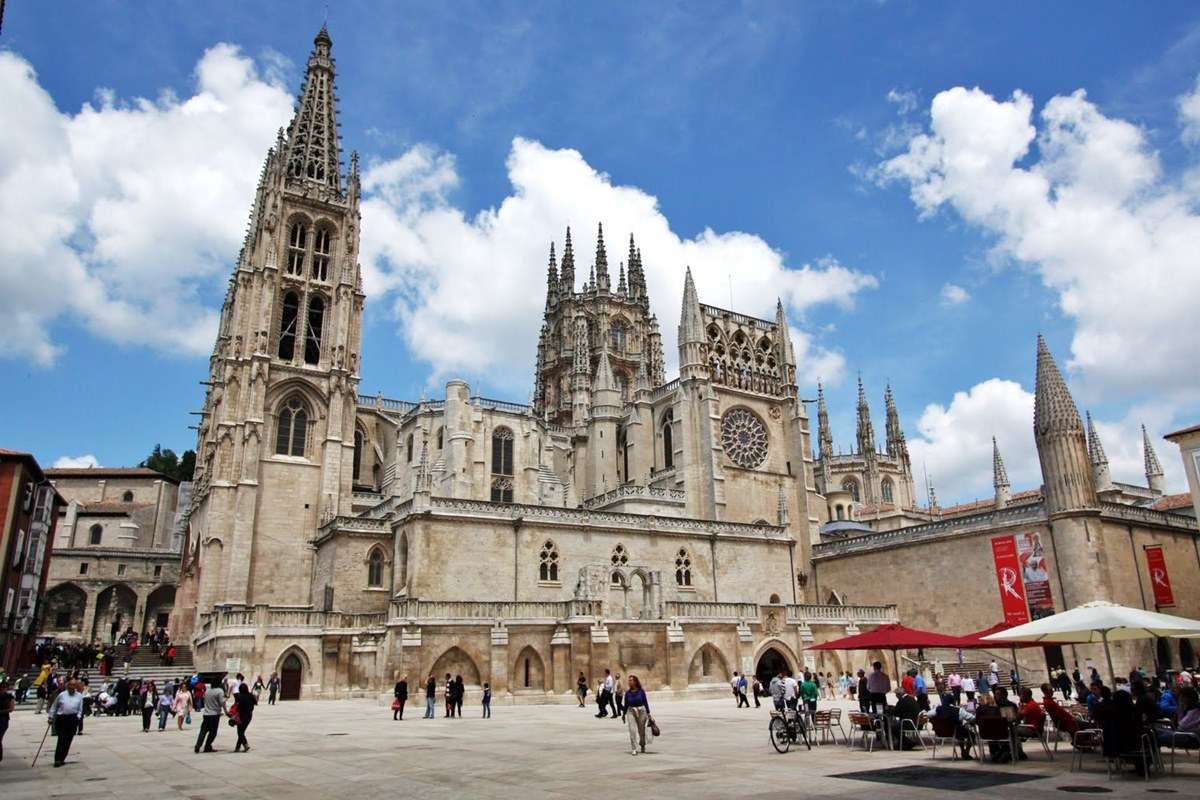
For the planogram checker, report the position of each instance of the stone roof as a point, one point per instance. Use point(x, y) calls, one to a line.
point(108, 472)
point(1171, 502)
point(1182, 432)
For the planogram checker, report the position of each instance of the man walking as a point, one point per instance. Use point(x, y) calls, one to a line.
point(272, 689)
point(430, 696)
point(401, 693)
point(214, 709)
point(619, 698)
point(606, 693)
point(66, 715)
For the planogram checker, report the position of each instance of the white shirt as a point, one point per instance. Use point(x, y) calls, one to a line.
point(968, 684)
point(791, 689)
point(608, 682)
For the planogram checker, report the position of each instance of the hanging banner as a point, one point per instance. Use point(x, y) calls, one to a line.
point(1035, 575)
point(1008, 575)
point(1159, 580)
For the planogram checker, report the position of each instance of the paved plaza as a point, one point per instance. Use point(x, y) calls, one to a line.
point(352, 749)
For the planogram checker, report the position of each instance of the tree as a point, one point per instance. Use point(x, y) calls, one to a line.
point(165, 461)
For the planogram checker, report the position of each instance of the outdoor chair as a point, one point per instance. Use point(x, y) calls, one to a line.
point(822, 723)
point(1147, 754)
point(945, 732)
point(913, 730)
point(1026, 733)
point(1185, 742)
point(864, 726)
point(1085, 740)
point(835, 719)
point(994, 730)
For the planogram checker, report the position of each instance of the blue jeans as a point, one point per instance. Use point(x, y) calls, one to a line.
point(429, 707)
point(163, 713)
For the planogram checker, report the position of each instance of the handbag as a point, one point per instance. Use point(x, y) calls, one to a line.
point(396, 704)
point(654, 730)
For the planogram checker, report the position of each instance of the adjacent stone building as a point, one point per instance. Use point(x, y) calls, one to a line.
point(116, 553)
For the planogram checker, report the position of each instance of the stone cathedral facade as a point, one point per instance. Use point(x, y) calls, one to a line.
point(620, 520)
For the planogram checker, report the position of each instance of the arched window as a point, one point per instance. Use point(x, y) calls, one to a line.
point(616, 337)
point(850, 485)
point(502, 490)
point(402, 561)
point(548, 562)
point(297, 243)
point(841, 511)
point(774, 600)
point(668, 438)
point(95, 533)
point(312, 338)
point(127, 497)
point(620, 556)
point(885, 489)
point(408, 449)
point(502, 452)
point(321, 249)
point(291, 428)
point(440, 432)
point(683, 568)
point(287, 326)
point(375, 568)
point(358, 444)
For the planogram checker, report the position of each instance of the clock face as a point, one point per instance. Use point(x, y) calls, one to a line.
point(744, 438)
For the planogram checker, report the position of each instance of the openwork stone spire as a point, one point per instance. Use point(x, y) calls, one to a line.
point(601, 281)
point(551, 279)
point(897, 445)
point(1000, 482)
point(313, 152)
point(567, 281)
point(1154, 470)
point(866, 430)
point(1062, 447)
point(824, 435)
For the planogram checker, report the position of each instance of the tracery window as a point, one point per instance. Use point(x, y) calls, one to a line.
point(744, 438)
point(617, 337)
point(287, 326)
point(620, 556)
point(502, 490)
point(548, 562)
point(95, 534)
point(291, 428)
point(321, 249)
point(312, 338)
point(885, 490)
point(297, 244)
point(502, 452)
point(683, 568)
point(375, 568)
point(850, 485)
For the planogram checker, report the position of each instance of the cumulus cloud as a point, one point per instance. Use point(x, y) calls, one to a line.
point(954, 442)
point(86, 461)
point(953, 295)
point(1092, 214)
point(469, 290)
point(123, 216)
point(1189, 115)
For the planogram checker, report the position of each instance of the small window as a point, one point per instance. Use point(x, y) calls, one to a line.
point(668, 440)
point(358, 445)
point(548, 562)
point(440, 432)
point(683, 568)
point(502, 490)
point(312, 337)
point(291, 428)
point(83, 568)
point(885, 489)
point(287, 326)
point(127, 497)
point(95, 534)
point(158, 570)
point(502, 452)
point(320, 265)
point(297, 242)
point(121, 570)
point(408, 449)
point(375, 569)
point(851, 486)
point(620, 556)
point(774, 600)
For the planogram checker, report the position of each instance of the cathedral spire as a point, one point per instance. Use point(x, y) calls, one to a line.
point(1154, 470)
point(552, 279)
point(786, 355)
point(1100, 473)
point(567, 280)
point(642, 292)
point(824, 436)
point(1000, 477)
point(621, 283)
point(691, 332)
point(313, 152)
point(1062, 447)
point(601, 280)
point(866, 429)
point(635, 282)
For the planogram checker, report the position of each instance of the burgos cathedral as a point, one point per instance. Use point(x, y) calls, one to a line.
point(679, 529)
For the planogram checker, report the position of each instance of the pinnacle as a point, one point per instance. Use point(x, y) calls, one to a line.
point(1153, 466)
point(1095, 447)
point(1053, 409)
point(999, 473)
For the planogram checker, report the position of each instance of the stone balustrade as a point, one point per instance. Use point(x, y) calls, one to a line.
point(548, 610)
point(637, 492)
point(812, 613)
point(690, 609)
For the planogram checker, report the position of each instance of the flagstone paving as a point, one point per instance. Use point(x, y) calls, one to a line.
point(351, 749)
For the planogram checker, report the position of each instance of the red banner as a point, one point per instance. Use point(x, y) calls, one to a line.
point(1160, 581)
point(1008, 575)
point(1034, 575)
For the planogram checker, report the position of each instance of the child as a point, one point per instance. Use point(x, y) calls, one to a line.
point(487, 701)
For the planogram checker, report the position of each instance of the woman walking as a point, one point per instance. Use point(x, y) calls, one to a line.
point(459, 691)
point(164, 709)
point(258, 688)
point(148, 702)
point(181, 705)
point(581, 689)
point(637, 713)
point(245, 702)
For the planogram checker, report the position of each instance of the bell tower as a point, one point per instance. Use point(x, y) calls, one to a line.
point(278, 419)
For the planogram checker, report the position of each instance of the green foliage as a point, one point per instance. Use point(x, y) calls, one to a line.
point(168, 463)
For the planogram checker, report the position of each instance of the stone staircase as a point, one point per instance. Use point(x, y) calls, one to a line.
point(147, 665)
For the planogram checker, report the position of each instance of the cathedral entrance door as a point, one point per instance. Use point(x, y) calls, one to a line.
point(769, 665)
point(289, 678)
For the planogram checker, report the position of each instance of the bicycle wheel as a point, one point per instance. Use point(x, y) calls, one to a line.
point(779, 735)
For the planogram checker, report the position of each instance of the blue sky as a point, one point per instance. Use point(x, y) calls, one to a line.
point(791, 123)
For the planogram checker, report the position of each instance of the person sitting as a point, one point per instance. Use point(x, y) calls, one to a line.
point(1030, 712)
point(1168, 705)
point(1000, 706)
point(1096, 692)
point(906, 708)
point(959, 717)
point(1064, 722)
point(1186, 733)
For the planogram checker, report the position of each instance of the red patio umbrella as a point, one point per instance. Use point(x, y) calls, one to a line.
point(892, 637)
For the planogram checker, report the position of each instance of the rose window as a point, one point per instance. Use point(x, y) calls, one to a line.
point(744, 438)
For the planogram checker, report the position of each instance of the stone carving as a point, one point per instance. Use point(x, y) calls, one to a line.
point(744, 438)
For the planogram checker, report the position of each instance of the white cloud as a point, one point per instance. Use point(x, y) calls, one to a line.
point(469, 291)
point(1092, 215)
point(123, 216)
point(905, 102)
point(1189, 115)
point(953, 295)
point(954, 442)
point(87, 461)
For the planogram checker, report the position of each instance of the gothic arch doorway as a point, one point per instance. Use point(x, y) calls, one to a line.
point(291, 676)
point(769, 665)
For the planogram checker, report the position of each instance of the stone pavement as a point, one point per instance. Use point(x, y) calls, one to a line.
point(347, 749)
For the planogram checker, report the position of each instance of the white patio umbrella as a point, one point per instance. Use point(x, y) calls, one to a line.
point(1099, 622)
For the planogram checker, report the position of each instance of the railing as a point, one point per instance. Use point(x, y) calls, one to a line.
point(499, 405)
point(741, 319)
point(622, 492)
point(704, 610)
point(380, 402)
point(804, 613)
point(489, 611)
point(662, 473)
point(285, 618)
point(664, 390)
point(1148, 515)
point(930, 530)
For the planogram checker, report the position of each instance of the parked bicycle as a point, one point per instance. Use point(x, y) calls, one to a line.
point(787, 728)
